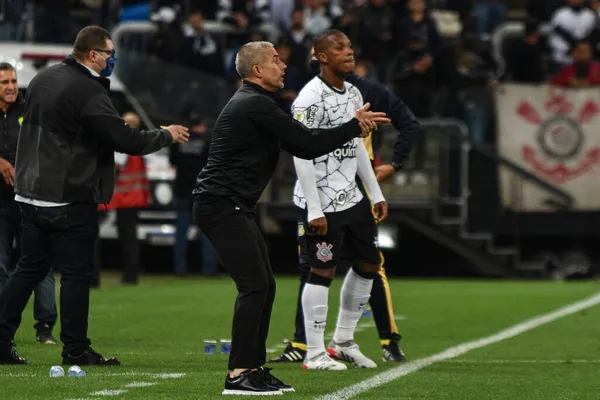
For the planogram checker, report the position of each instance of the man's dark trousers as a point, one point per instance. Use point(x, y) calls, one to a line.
point(65, 235)
point(44, 306)
point(242, 250)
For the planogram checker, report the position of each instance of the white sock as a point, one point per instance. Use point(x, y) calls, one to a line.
point(314, 304)
point(354, 296)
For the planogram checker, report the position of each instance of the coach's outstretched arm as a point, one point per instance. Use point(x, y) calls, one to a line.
point(103, 120)
point(306, 143)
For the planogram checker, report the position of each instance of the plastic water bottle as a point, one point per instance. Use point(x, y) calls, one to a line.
point(56, 371)
point(225, 346)
point(210, 346)
point(76, 372)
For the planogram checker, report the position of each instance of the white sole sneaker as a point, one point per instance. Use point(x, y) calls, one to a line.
point(323, 362)
point(350, 354)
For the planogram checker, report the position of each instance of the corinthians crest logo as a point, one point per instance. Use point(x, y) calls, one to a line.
point(560, 155)
point(324, 252)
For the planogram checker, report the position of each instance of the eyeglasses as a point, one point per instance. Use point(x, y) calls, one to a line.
point(111, 52)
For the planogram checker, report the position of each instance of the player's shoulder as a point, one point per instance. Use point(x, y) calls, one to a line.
point(350, 87)
point(310, 94)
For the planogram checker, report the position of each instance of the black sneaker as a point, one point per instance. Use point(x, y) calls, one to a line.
point(272, 381)
point(89, 357)
point(44, 334)
point(290, 354)
point(8, 354)
point(249, 383)
point(392, 352)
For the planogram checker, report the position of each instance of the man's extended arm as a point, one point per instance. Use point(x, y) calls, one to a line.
point(299, 140)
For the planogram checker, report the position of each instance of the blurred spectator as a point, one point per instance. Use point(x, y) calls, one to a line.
point(489, 15)
point(167, 41)
point(200, 50)
point(208, 8)
point(244, 14)
point(12, 22)
point(462, 7)
point(399, 7)
point(412, 78)
point(53, 22)
point(282, 13)
point(189, 158)
point(134, 10)
point(293, 79)
point(378, 37)
point(595, 35)
point(253, 36)
point(570, 24)
point(132, 193)
point(583, 71)
point(525, 60)
point(349, 23)
point(364, 68)
point(300, 43)
point(419, 23)
point(320, 15)
point(469, 78)
point(542, 10)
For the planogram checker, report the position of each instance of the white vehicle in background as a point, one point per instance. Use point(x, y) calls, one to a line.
point(157, 222)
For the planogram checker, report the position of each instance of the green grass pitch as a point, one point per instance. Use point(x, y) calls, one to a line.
point(157, 329)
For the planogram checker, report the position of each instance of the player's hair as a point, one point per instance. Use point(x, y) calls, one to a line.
point(322, 41)
point(89, 38)
point(4, 66)
point(251, 54)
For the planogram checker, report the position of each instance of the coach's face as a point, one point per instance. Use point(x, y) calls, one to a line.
point(272, 71)
point(8, 86)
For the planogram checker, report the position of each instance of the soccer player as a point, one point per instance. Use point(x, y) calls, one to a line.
point(335, 210)
point(407, 126)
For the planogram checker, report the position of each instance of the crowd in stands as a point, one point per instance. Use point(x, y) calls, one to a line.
point(401, 43)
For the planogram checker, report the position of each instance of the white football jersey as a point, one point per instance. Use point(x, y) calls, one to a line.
point(320, 105)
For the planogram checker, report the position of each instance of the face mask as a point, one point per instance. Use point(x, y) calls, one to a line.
point(110, 65)
point(315, 66)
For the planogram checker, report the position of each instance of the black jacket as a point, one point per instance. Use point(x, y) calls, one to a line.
point(246, 142)
point(189, 159)
point(69, 134)
point(9, 134)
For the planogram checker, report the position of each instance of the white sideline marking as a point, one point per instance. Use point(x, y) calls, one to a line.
point(522, 361)
point(140, 384)
point(461, 349)
point(114, 392)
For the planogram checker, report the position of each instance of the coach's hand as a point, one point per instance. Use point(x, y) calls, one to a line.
point(384, 172)
point(381, 211)
point(319, 226)
point(179, 133)
point(8, 172)
point(369, 120)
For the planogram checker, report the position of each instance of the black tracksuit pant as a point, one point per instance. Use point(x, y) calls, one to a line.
point(242, 250)
point(66, 236)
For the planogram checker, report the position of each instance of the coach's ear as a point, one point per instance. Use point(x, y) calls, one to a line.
point(256, 70)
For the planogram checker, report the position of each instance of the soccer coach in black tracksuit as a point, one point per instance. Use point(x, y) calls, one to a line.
point(243, 155)
point(64, 167)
